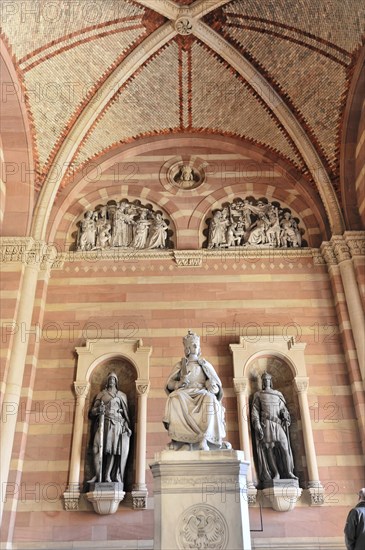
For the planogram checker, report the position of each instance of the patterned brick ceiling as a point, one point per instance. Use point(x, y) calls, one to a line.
point(66, 52)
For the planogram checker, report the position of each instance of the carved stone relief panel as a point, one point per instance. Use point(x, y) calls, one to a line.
point(123, 224)
point(253, 222)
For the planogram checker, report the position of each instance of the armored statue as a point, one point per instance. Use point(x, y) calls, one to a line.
point(110, 432)
point(270, 422)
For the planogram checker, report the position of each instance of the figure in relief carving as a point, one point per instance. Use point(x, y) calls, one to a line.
point(271, 421)
point(243, 223)
point(141, 231)
point(111, 432)
point(185, 176)
point(290, 235)
point(123, 224)
point(194, 414)
point(102, 229)
point(217, 230)
point(158, 232)
point(87, 236)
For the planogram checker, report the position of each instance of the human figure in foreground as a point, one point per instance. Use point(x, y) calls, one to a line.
point(109, 412)
point(194, 414)
point(271, 421)
point(355, 525)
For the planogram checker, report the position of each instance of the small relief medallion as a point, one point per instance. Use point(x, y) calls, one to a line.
point(184, 25)
point(202, 526)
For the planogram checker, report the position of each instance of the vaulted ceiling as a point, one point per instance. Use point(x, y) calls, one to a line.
point(100, 74)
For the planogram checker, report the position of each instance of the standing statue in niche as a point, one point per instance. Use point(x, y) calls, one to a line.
point(271, 421)
point(110, 432)
point(194, 414)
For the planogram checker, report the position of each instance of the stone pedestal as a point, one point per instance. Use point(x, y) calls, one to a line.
point(282, 494)
point(105, 497)
point(201, 500)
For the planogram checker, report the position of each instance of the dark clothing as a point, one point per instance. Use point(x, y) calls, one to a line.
point(355, 528)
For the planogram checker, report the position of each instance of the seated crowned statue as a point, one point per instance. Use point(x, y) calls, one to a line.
point(194, 414)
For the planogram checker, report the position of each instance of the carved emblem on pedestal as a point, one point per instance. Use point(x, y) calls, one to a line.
point(202, 526)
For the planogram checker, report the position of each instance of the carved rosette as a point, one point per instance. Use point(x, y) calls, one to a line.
point(202, 526)
point(184, 25)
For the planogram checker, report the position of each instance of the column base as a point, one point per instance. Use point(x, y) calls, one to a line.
point(282, 494)
point(105, 497)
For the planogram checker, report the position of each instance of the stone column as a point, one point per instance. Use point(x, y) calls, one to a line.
point(241, 389)
point(353, 298)
point(16, 371)
point(139, 493)
point(315, 488)
point(355, 240)
point(348, 343)
point(72, 493)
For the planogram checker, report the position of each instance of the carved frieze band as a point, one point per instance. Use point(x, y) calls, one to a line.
point(27, 251)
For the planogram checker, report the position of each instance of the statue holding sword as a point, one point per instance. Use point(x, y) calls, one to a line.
point(111, 432)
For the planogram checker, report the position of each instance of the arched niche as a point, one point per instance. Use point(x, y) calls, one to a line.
point(282, 380)
point(285, 358)
point(127, 376)
point(94, 359)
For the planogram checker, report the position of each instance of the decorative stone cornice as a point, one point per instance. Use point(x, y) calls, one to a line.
point(188, 258)
point(27, 251)
point(355, 240)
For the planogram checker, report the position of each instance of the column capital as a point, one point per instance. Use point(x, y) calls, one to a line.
point(328, 253)
point(340, 248)
point(301, 384)
point(355, 240)
point(142, 386)
point(81, 389)
point(240, 385)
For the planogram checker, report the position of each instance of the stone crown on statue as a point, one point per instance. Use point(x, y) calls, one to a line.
point(191, 338)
